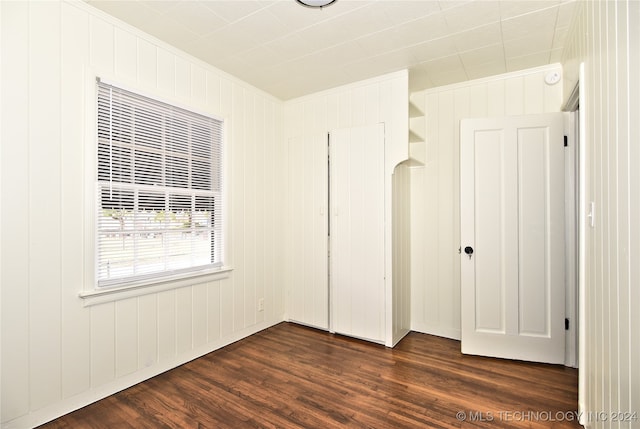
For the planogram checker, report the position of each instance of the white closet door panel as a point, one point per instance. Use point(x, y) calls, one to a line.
point(357, 232)
point(308, 300)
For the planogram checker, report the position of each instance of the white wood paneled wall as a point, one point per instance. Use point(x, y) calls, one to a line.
point(606, 37)
point(435, 188)
point(57, 354)
point(402, 238)
point(383, 99)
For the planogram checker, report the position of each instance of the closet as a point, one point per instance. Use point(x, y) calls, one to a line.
point(337, 191)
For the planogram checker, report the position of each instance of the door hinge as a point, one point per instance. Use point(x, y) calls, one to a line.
point(566, 141)
point(566, 324)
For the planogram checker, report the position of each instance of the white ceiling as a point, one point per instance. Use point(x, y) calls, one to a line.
point(289, 50)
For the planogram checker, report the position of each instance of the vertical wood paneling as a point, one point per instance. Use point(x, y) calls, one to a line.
point(383, 99)
point(166, 72)
point(496, 98)
point(101, 44)
point(533, 94)
point(239, 205)
point(198, 88)
point(606, 37)
point(44, 200)
point(126, 54)
point(214, 311)
point(126, 336)
point(259, 204)
point(213, 92)
point(250, 209)
point(147, 331)
point(54, 347)
point(514, 94)
point(15, 196)
point(199, 323)
point(103, 344)
point(435, 209)
point(75, 319)
point(632, 110)
point(270, 194)
point(182, 78)
point(167, 325)
point(184, 319)
point(147, 63)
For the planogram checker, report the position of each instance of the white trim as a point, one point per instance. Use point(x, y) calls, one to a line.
point(571, 248)
point(93, 294)
point(582, 252)
point(103, 295)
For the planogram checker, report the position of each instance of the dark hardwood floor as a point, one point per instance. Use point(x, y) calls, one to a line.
point(290, 376)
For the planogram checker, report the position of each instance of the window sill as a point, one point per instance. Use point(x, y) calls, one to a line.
point(104, 295)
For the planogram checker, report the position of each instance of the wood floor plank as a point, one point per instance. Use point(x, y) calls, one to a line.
point(290, 376)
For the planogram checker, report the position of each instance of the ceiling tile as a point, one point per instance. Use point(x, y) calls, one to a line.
point(479, 56)
point(433, 49)
point(198, 18)
point(511, 8)
point(134, 13)
point(478, 37)
point(536, 42)
point(401, 11)
point(262, 25)
point(233, 10)
point(556, 56)
point(423, 29)
point(452, 62)
point(527, 61)
point(377, 65)
point(162, 7)
point(419, 80)
point(266, 42)
point(471, 15)
point(447, 77)
point(491, 68)
point(541, 21)
point(566, 12)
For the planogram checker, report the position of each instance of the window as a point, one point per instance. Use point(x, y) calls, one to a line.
point(159, 199)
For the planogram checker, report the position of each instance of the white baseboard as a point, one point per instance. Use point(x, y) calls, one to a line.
point(76, 402)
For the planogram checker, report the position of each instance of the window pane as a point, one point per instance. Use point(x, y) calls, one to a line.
point(157, 166)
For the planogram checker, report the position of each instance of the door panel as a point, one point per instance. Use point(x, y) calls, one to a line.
point(357, 232)
point(308, 298)
point(512, 215)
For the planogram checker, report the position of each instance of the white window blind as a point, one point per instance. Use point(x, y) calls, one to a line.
point(159, 183)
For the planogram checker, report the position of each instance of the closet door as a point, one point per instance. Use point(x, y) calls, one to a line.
point(357, 232)
point(308, 294)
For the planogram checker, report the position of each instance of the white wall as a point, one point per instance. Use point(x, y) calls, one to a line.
point(58, 354)
point(382, 99)
point(435, 188)
point(606, 37)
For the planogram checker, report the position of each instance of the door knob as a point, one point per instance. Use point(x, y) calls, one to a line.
point(469, 251)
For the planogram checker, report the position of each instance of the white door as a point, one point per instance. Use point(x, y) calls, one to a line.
point(308, 296)
point(512, 236)
point(357, 232)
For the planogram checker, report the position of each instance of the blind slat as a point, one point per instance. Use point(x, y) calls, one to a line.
point(159, 206)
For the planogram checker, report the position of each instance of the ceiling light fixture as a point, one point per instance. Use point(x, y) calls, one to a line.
point(315, 3)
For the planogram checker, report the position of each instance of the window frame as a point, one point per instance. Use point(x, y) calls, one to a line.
point(92, 293)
